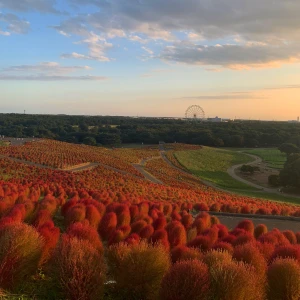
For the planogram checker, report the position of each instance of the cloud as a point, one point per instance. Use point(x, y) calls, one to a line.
point(250, 34)
point(97, 47)
point(46, 71)
point(155, 72)
point(149, 51)
point(14, 24)
point(42, 6)
point(5, 33)
point(207, 18)
point(46, 67)
point(226, 96)
point(50, 78)
point(235, 57)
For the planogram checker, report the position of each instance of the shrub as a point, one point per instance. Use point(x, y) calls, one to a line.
point(51, 234)
point(249, 254)
point(215, 257)
point(284, 279)
point(20, 253)
point(290, 235)
point(186, 280)
point(93, 216)
point(79, 269)
point(161, 236)
point(247, 225)
point(75, 214)
point(223, 246)
point(201, 242)
point(260, 230)
point(138, 269)
point(146, 232)
point(86, 232)
point(108, 225)
point(159, 223)
point(182, 252)
point(177, 235)
point(288, 251)
point(187, 221)
point(138, 226)
point(235, 280)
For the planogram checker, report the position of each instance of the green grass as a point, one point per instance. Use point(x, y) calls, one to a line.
point(212, 164)
point(272, 156)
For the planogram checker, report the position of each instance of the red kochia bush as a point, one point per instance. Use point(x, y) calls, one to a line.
point(93, 216)
point(201, 242)
point(161, 236)
point(260, 230)
point(51, 234)
point(290, 235)
point(20, 253)
point(247, 225)
point(223, 246)
point(183, 252)
point(41, 217)
point(85, 232)
point(284, 279)
point(147, 232)
point(289, 251)
point(108, 225)
point(75, 214)
point(159, 223)
point(177, 235)
point(186, 280)
point(249, 254)
point(79, 269)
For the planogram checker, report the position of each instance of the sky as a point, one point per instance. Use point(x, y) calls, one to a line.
point(234, 58)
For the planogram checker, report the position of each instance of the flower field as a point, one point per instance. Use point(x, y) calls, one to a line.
point(100, 234)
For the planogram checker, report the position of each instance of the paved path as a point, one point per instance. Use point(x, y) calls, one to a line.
point(18, 141)
point(141, 168)
point(270, 221)
point(232, 172)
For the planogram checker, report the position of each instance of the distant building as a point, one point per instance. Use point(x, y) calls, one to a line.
point(294, 121)
point(216, 119)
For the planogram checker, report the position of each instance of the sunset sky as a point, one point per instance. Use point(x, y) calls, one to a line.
point(234, 58)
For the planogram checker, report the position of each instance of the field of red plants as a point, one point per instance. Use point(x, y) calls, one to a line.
point(61, 243)
point(100, 234)
point(61, 155)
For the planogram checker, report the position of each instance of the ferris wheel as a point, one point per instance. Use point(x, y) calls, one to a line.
point(195, 113)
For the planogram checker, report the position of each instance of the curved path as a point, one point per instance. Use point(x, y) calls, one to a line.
point(232, 172)
point(271, 222)
point(141, 168)
point(231, 220)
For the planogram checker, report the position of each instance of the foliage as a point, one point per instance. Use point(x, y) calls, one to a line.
point(79, 269)
point(138, 270)
point(186, 280)
point(20, 253)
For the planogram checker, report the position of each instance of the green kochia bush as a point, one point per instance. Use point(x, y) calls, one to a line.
point(138, 269)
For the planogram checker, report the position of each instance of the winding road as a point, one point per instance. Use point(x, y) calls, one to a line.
point(232, 172)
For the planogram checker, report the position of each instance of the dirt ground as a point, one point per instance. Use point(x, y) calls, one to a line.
point(259, 177)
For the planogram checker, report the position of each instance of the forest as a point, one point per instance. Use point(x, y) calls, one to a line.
point(108, 130)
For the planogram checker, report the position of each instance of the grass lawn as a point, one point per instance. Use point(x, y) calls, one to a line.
point(212, 164)
point(272, 156)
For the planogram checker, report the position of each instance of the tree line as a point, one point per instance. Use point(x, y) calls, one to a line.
point(108, 130)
